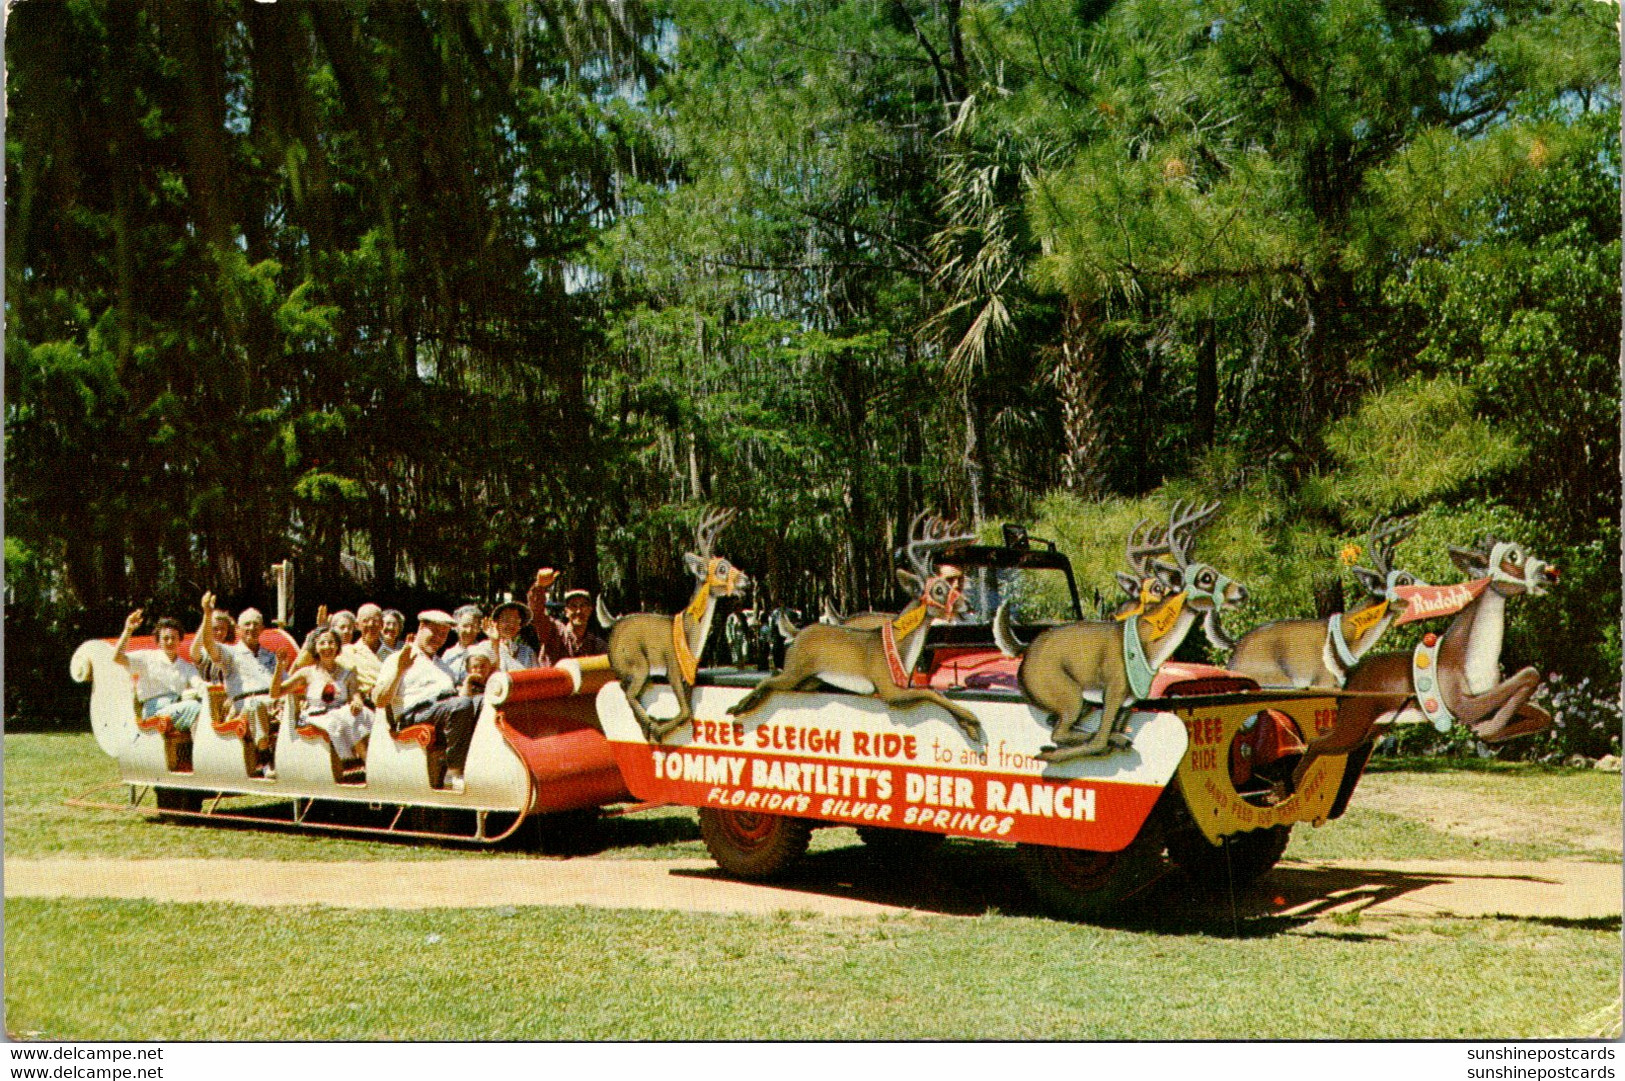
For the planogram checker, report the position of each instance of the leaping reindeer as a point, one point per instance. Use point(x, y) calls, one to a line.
point(1321, 652)
point(1456, 677)
point(878, 660)
point(1118, 659)
point(644, 644)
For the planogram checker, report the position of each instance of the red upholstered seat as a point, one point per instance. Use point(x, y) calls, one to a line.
point(161, 723)
point(220, 714)
point(236, 728)
point(421, 734)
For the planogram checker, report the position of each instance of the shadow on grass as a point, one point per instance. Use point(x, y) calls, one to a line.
point(645, 831)
point(967, 878)
point(1572, 923)
point(1428, 764)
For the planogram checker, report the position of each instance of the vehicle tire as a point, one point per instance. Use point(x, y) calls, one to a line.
point(1240, 860)
point(1077, 884)
point(177, 799)
point(753, 846)
point(894, 845)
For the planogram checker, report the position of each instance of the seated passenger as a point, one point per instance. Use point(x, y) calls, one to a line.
point(361, 655)
point(330, 698)
point(246, 668)
point(466, 620)
point(394, 625)
point(419, 687)
point(343, 624)
point(166, 684)
point(576, 630)
point(502, 631)
point(481, 663)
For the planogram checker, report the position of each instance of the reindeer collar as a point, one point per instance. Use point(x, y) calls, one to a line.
point(1138, 669)
point(1425, 681)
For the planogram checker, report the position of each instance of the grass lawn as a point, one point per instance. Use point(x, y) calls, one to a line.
point(138, 970)
point(111, 969)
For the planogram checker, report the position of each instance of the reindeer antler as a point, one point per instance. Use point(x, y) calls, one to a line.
point(929, 532)
point(1144, 543)
point(1384, 536)
point(1183, 526)
point(713, 523)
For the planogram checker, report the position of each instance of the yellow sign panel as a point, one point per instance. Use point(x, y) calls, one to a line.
point(1204, 774)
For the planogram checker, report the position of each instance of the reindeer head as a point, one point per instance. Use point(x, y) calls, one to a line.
point(1144, 588)
point(940, 590)
point(1205, 589)
point(712, 571)
point(1509, 568)
point(1383, 581)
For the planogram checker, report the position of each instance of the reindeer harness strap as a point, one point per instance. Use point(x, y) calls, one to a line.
point(901, 627)
point(687, 663)
point(1425, 679)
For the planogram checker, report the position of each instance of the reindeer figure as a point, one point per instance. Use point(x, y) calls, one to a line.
point(1456, 677)
point(1321, 652)
point(1145, 590)
point(644, 645)
point(1118, 659)
point(877, 660)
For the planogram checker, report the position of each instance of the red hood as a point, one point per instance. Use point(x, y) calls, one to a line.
point(1183, 678)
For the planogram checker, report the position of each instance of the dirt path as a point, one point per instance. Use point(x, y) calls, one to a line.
point(1482, 816)
point(1556, 889)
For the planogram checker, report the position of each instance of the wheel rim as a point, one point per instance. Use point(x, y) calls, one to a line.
point(747, 830)
point(1080, 870)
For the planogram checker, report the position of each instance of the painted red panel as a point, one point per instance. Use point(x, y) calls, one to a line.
point(1099, 815)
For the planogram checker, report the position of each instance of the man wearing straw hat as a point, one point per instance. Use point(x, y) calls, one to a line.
point(507, 620)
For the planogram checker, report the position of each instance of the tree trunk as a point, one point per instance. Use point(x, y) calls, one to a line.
point(1077, 378)
point(1205, 417)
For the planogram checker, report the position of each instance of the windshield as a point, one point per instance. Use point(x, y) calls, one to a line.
point(1035, 596)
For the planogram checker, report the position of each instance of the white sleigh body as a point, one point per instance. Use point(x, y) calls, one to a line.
point(507, 768)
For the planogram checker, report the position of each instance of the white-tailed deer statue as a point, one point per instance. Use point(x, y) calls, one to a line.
point(643, 644)
point(1322, 652)
point(1455, 677)
point(1117, 659)
point(878, 660)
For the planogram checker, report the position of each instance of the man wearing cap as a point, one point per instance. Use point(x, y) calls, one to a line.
point(503, 631)
point(420, 689)
point(576, 630)
point(362, 655)
point(245, 668)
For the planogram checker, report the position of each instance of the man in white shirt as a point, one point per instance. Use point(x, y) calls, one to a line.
point(245, 668)
point(362, 655)
point(166, 684)
point(421, 689)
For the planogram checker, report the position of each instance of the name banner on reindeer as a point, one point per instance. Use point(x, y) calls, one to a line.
point(1431, 602)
